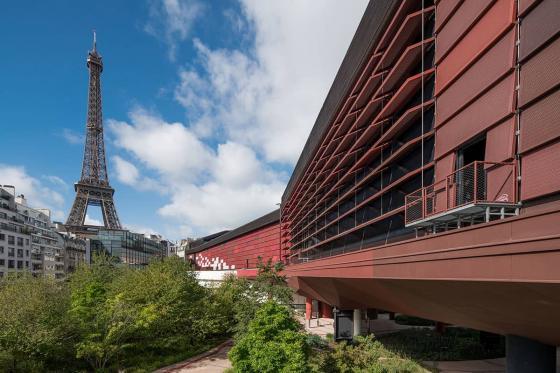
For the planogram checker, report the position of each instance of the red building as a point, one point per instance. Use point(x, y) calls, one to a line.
point(238, 250)
point(430, 182)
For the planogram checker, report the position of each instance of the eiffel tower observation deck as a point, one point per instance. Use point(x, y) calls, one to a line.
point(93, 189)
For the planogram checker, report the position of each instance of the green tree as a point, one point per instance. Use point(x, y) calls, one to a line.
point(102, 322)
point(33, 329)
point(273, 343)
point(242, 297)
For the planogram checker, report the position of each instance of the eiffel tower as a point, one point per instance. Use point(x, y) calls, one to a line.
point(93, 187)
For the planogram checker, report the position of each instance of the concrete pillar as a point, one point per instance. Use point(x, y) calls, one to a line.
point(524, 355)
point(357, 322)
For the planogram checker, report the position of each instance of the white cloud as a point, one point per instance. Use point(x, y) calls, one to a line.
point(141, 229)
point(248, 110)
point(127, 173)
point(37, 194)
point(268, 98)
point(172, 20)
point(55, 180)
point(208, 190)
point(92, 221)
point(169, 148)
point(72, 137)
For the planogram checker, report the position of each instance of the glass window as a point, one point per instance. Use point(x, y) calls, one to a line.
point(11, 240)
point(26, 252)
point(20, 253)
point(27, 242)
point(10, 264)
point(2, 237)
point(11, 251)
point(20, 264)
point(2, 262)
point(20, 241)
point(1, 249)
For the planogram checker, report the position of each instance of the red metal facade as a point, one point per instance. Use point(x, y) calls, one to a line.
point(492, 74)
point(371, 155)
point(539, 99)
point(241, 252)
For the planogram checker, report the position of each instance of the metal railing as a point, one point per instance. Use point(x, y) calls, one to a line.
point(477, 182)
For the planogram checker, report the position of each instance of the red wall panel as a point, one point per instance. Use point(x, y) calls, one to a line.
point(493, 65)
point(540, 122)
point(487, 110)
point(541, 24)
point(540, 73)
point(500, 142)
point(540, 172)
point(500, 184)
point(243, 251)
point(444, 10)
point(444, 166)
point(525, 4)
point(496, 21)
point(459, 23)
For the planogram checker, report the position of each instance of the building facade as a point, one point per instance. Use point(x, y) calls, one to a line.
point(237, 251)
point(29, 241)
point(429, 184)
point(134, 249)
point(15, 236)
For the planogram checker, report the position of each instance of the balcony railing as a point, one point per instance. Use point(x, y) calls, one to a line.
point(478, 183)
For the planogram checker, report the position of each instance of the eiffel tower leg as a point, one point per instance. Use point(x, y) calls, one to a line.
point(78, 212)
point(110, 214)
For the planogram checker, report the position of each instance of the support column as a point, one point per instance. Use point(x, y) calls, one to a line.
point(308, 309)
point(357, 321)
point(524, 355)
point(325, 310)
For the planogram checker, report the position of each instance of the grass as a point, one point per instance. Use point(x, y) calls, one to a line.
point(454, 344)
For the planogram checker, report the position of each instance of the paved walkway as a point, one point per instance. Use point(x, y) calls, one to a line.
point(382, 325)
point(213, 361)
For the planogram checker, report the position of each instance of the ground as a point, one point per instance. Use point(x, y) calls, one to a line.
point(216, 361)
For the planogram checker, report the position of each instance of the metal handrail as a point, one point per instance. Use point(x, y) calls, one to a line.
point(464, 186)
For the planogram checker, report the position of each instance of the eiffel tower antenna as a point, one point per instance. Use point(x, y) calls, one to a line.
point(93, 187)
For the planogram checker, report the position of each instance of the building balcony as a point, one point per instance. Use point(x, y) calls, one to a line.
point(477, 192)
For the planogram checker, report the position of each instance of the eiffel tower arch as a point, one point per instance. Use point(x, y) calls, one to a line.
point(93, 189)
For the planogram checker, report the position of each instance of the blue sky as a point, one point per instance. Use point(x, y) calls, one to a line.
point(207, 104)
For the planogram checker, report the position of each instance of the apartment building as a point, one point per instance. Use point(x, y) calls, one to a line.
point(29, 241)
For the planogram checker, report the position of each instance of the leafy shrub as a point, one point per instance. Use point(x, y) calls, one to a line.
point(34, 335)
point(273, 343)
point(454, 344)
point(364, 355)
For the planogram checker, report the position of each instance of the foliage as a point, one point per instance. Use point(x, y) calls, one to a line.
point(101, 323)
point(273, 343)
point(454, 344)
point(125, 312)
point(108, 317)
point(364, 355)
point(242, 298)
point(33, 333)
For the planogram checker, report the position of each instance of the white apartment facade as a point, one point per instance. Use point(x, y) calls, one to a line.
point(30, 242)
